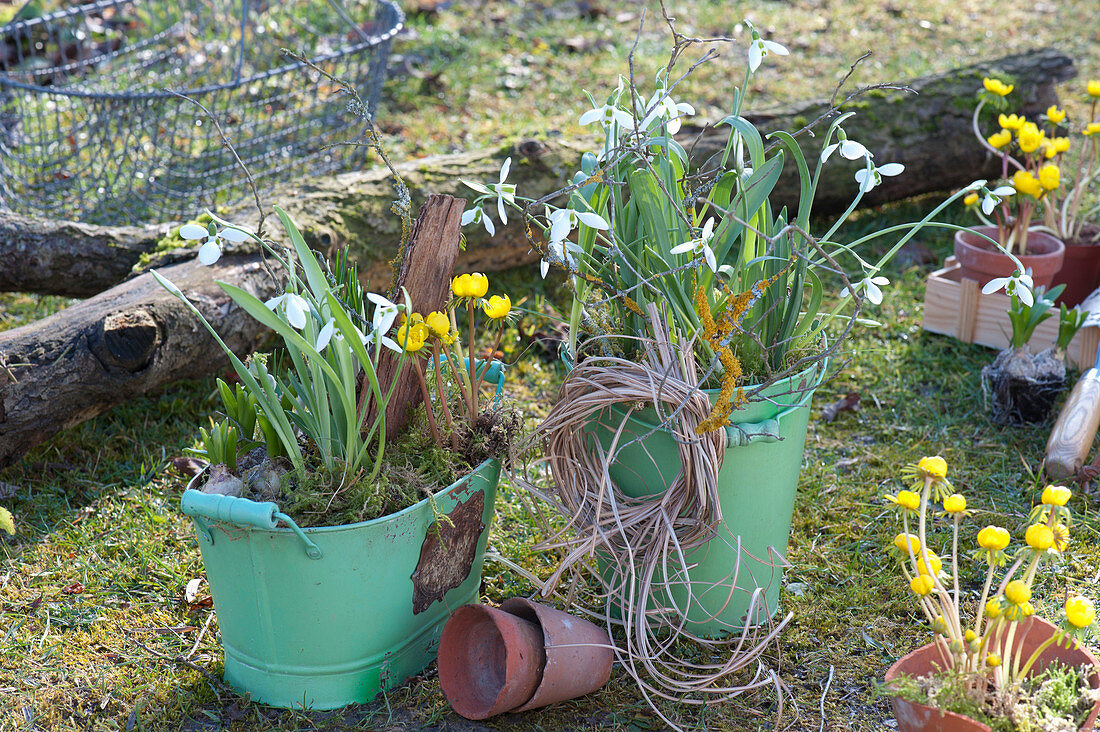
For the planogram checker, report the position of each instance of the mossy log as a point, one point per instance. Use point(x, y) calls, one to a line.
point(122, 343)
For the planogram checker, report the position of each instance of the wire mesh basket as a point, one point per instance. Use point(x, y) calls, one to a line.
point(89, 130)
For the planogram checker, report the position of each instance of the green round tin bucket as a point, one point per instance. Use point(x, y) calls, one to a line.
point(319, 618)
point(756, 485)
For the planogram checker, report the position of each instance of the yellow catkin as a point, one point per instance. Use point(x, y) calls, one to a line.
point(717, 335)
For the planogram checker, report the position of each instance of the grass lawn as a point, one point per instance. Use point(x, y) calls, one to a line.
point(92, 617)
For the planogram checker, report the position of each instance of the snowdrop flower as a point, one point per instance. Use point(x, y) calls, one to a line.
point(560, 251)
point(849, 149)
point(870, 287)
point(1019, 285)
point(608, 115)
point(504, 192)
point(295, 307)
point(564, 220)
point(385, 313)
point(476, 216)
point(759, 48)
point(211, 250)
point(700, 245)
point(869, 178)
point(991, 199)
point(325, 335)
point(662, 107)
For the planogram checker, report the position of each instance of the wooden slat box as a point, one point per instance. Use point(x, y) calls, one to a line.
point(956, 307)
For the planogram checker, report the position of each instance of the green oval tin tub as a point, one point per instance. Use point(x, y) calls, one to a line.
point(756, 484)
point(319, 618)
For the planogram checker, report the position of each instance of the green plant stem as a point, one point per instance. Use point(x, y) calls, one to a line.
point(980, 619)
point(472, 406)
point(950, 611)
point(418, 367)
point(955, 559)
point(443, 396)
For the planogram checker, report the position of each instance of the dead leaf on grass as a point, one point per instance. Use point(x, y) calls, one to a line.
point(188, 466)
point(848, 403)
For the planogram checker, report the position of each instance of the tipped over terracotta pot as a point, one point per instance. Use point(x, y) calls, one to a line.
point(520, 656)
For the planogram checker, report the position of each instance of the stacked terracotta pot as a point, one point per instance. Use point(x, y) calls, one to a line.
point(519, 656)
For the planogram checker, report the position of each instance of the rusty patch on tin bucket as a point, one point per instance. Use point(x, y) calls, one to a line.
point(447, 554)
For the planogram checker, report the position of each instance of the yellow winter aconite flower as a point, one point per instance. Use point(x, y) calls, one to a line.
point(1080, 612)
point(1061, 537)
point(1056, 495)
point(1049, 177)
point(1030, 137)
point(992, 609)
point(906, 543)
point(930, 561)
point(933, 467)
point(470, 285)
point(1039, 537)
point(1000, 139)
point(905, 499)
point(1059, 144)
point(7, 523)
point(1091, 129)
point(1011, 121)
point(997, 86)
point(1093, 87)
point(972, 198)
point(438, 324)
point(954, 503)
point(1017, 592)
point(922, 585)
point(1024, 182)
point(993, 660)
point(1055, 115)
point(497, 306)
point(412, 337)
point(993, 537)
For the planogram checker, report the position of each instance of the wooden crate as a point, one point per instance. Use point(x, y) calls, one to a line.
point(956, 307)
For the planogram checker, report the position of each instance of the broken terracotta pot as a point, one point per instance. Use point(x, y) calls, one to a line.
point(478, 668)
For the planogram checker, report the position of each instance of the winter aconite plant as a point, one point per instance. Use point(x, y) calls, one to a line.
point(322, 405)
point(983, 665)
point(1046, 179)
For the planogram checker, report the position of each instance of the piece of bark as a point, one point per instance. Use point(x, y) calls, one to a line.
point(120, 344)
point(928, 132)
point(425, 275)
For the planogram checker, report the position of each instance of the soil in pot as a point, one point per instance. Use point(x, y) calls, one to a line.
point(1023, 386)
point(1080, 271)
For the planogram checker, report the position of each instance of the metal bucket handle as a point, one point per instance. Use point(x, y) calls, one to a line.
point(739, 435)
point(495, 372)
point(204, 507)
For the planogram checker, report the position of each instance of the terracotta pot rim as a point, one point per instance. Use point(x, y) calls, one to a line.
point(961, 721)
point(967, 238)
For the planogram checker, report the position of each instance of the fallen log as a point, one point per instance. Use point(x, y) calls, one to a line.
point(120, 344)
point(929, 132)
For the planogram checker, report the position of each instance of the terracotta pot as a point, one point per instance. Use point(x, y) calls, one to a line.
point(982, 261)
point(490, 661)
point(578, 653)
point(913, 717)
point(519, 657)
point(1080, 271)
